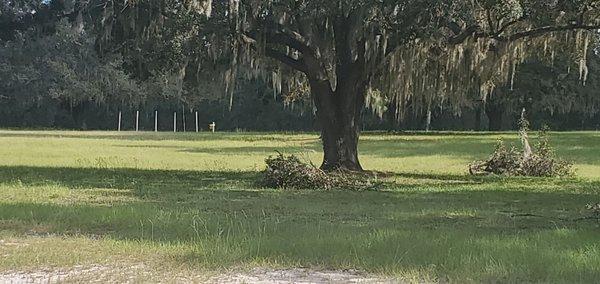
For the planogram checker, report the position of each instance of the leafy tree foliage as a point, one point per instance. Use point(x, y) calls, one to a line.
point(61, 70)
point(547, 89)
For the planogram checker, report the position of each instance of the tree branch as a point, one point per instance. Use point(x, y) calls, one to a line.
point(292, 41)
point(464, 35)
point(548, 29)
point(535, 32)
point(279, 34)
point(296, 64)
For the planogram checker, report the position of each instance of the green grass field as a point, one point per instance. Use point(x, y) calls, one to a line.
point(191, 204)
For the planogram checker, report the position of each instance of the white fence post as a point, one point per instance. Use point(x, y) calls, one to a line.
point(137, 121)
point(156, 121)
point(119, 126)
point(175, 122)
point(197, 128)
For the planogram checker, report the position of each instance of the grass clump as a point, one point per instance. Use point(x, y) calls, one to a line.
point(594, 208)
point(289, 172)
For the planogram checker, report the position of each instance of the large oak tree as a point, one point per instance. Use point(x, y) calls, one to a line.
point(344, 52)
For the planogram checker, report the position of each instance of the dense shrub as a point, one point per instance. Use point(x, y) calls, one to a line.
point(539, 161)
point(289, 172)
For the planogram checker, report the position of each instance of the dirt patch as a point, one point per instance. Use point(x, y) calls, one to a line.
point(140, 273)
point(298, 275)
point(54, 276)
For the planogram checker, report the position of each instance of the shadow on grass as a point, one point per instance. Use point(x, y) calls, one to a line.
point(164, 136)
point(224, 150)
point(388, 148)
point(241, 136)
point(126, 178)
point(189, 216)
point(469, 147)
point(222, 219)
point(578, 147)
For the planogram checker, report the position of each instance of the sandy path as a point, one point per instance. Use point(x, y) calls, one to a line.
point(136, 274)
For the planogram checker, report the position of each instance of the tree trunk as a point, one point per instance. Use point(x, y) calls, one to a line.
point(428, 120)
point(339, 107)
point(478, 113)
point(494, 114)
point(339, 115)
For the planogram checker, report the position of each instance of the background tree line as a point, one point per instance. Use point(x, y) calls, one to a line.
point(54, 77)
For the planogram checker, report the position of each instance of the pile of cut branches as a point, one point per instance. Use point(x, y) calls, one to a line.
point(289, 172)
point(538, 161)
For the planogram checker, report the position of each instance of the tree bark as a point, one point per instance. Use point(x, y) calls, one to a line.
point(494, 114)
point(339, 114)
point(428, 120)
point(340, 104)
point(478, 112)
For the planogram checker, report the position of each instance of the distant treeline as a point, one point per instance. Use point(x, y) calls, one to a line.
point(51, 76)
point(255, 112)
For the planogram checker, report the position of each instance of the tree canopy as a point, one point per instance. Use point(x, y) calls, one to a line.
point(407, 49)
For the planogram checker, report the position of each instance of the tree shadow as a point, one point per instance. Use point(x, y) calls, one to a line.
point(172, 215)
point(582, 148)
point(224, 219)
point(464, 145)
point(163, 136)
point(140, 180)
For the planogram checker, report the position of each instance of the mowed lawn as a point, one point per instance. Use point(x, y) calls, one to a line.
point(192, 204)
